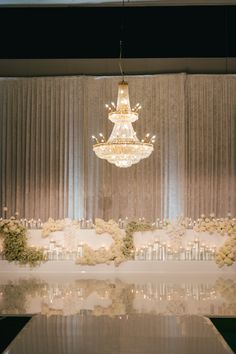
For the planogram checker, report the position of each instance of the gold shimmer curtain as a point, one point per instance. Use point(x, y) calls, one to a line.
point(48, 167)
point(211, 144)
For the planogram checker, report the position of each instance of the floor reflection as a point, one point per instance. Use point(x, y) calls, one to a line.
point(129, 334)
point(146, 294)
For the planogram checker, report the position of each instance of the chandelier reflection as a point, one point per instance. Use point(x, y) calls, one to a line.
point(123, 148)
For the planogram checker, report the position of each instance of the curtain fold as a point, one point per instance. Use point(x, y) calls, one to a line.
point(48, 167)
point(211, 145)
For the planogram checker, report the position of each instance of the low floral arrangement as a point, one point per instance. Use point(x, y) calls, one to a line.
point(226, 254)
point(52, 225)
point(223, 226)
point(15, 248)
point(175, 231)
point(103, 255)
point(122, 248)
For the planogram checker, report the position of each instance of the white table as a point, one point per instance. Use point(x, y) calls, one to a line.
point(71, 239)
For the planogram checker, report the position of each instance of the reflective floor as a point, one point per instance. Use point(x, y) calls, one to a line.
point(98, 295)
point(128, 314)
point(129, 334)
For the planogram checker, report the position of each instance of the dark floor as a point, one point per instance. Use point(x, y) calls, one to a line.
point(9, 328)
point(227, 328)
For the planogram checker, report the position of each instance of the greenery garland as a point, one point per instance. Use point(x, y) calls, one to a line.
point(15, 247)
point(128, 240)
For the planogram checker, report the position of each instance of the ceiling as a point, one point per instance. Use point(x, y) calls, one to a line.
point(115, 2)
point(147, 66)
point(85, 40)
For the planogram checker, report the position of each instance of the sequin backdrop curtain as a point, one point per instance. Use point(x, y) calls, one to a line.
point(210, 145)
point(48, 167)
point(41, 150)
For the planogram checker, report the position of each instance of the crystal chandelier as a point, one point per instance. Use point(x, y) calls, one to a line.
point(123, 148)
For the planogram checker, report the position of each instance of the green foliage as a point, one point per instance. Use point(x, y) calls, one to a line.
point(131, 228)
point(15, 247)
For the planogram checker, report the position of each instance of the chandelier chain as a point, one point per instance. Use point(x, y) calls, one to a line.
point(121, 41)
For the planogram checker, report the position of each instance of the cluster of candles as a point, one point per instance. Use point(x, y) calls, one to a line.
point(158, 224)
point(57, 252)
point(31, 223)
point(156, 251)
point(161, 251)
point(150, 291)
point(168, 292)
point(37, 224)
point(86, 224)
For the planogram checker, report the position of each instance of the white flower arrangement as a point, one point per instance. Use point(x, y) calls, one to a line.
point(226, 254)
point(223, 226)
point(11, 226)
point(103, 255)
point(175, 231)
point(53, 225)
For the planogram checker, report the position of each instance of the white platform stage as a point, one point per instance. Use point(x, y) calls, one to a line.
point(160, 267)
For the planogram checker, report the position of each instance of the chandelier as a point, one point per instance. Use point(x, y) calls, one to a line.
point(123, 148)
